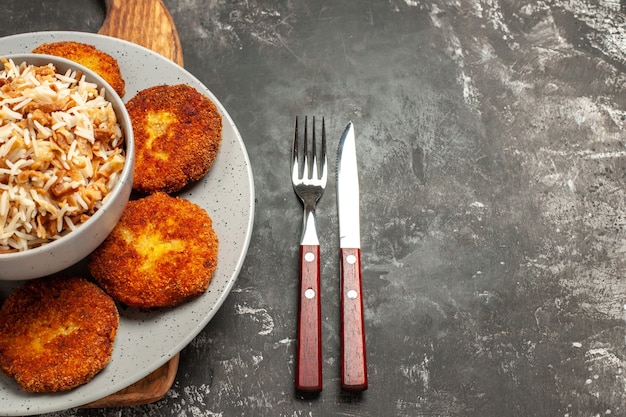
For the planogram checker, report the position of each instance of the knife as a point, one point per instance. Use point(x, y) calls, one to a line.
point(353, 357)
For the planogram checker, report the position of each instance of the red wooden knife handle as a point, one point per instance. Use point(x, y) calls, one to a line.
point(353, 358)
point(309, 350)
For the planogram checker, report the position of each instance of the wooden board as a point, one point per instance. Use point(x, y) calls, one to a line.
point(147, 23)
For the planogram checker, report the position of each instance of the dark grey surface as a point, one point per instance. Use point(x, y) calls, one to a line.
point(491, 149)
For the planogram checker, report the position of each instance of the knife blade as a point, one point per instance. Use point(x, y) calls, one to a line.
point(353, 350)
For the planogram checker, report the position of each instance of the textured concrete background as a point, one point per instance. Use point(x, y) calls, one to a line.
point(492, 163)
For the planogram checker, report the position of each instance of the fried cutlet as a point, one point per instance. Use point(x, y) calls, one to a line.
point(178, 133)
point(56, 333)
point(89, 56)
point(162, 252)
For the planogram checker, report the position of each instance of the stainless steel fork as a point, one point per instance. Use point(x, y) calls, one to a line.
point(308, 175)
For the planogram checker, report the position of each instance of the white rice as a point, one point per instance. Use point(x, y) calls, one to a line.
point(61, 153)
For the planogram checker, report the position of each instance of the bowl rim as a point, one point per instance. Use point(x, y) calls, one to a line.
point(129, 144)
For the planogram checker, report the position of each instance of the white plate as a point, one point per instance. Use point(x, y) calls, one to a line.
point(145, 341)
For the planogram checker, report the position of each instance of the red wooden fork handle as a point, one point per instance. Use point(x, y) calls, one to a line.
point(309, 345)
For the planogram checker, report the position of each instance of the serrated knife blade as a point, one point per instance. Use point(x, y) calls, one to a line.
point(348, 191)
point(353, 351)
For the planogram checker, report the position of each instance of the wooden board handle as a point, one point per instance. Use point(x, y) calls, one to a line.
point(145, 22)
point(147, 390)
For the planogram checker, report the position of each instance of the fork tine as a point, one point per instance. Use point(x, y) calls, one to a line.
point(295, 166)
point(324, 160)
point(307, 156)
point(313, 168)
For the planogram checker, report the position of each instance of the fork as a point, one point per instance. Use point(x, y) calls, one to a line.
point(308, 175)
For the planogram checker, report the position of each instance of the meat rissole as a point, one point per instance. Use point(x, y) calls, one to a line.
point(56, 333)
point(178, 133)
point(162, 252)
point(89, 56)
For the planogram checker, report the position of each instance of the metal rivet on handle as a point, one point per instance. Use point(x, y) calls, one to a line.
point(351, 259)
point(309, 257)
point(352, 294)
point(309, 293)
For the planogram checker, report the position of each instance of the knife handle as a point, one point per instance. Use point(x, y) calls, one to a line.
point(353, 358)
point(309, 345)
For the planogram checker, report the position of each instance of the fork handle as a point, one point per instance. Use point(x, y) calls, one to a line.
point(309, 350)
point(353, 358)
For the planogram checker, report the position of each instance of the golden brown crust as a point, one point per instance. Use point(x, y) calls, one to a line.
point(89, 56)
point(178, 133)
point(56, 333)
point(162, 252)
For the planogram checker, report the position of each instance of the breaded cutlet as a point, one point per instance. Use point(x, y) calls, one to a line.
point(162, 252)
point(178, 133)
point(89, 56)
point(56, 333)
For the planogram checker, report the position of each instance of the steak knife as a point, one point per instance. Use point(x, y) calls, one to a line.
point(353, 356)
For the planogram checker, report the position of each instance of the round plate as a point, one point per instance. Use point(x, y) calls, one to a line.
point(147, 340)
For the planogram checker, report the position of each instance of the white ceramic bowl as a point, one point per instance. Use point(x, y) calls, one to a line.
point(55, 256)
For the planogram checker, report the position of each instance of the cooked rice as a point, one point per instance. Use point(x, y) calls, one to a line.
point(61, 153)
